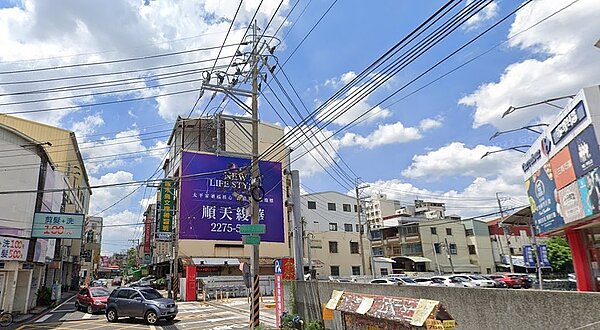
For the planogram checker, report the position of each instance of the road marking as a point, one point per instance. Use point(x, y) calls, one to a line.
point(59, 306)
point(87, 316)
point(43, 318)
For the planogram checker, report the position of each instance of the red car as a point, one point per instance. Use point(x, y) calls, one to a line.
point(510, 280)
point(92, 299)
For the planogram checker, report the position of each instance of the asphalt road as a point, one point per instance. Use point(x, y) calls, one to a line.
point(192, 315)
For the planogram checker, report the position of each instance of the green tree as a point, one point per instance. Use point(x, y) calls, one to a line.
point(132, 259)
point(559, 254)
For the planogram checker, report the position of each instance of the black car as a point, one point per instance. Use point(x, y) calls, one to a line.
point(141, 302)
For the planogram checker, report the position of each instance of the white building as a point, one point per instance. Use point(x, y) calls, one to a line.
point(92, 243)
point(331, 230)
point(379, 206)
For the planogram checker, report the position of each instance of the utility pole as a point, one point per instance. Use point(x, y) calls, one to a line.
point(297, 226)
point(538, 262)
point(360, 231)
point(505, 229)
point(437, 263)
point(449, 255)
point(255, 184)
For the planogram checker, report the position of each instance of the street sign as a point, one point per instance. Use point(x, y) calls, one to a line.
point(251, 240)
point(255, 229)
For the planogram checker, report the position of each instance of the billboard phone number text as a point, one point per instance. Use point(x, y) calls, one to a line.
point(223, 227)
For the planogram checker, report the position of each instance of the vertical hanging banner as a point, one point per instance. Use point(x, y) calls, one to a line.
point(279, 303)
point(543, 254)
point(147, 233)
point(528, 256)
point(166, 212)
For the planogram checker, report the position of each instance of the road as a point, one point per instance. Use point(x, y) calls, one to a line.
point(192, 315)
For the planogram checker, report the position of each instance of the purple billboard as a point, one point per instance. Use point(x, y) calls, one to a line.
point(584, 152)
point(214, 206)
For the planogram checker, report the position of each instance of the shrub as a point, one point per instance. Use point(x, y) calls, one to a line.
point(44, 296)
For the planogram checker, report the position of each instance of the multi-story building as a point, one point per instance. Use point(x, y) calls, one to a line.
point(63, 151)
point(332, 235)
point(92, 243)
point(379, 206)
point(417, 242)
point(211, 201)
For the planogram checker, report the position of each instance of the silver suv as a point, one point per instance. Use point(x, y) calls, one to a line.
point(145, 303)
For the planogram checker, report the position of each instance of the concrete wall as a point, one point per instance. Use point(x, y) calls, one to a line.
point(473, 309)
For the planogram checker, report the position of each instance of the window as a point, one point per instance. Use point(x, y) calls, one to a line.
point(331, 206)
point(312, 205)
point(333, 247)
point(355, 270)
point(383, 271)
point(125, 293)
point(512, 251)
point(347, 207)
point(348, 227)
point(359, 229)
point(413, 249)
point(332, 226)
point(355, 208)
point(472, 249)
point(378, 251)
point(453, 249)
point(375, 234)
point(469, 232)
point(354, 247)
point(433, 231)
point(437, 247)
point(449, 231)
point(412, 230)
point(335, 270)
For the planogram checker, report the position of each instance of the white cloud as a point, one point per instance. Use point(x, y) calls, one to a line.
point(104, 197)
point(127, 29)
point(384, 134)
point(118, 230)
point(458, 159)
point(87, 126)
point(489, 12)
point(478, 198)
point(429, 123)
point(563, 61)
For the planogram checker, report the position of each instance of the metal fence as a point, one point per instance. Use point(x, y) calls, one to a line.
point(233, 286)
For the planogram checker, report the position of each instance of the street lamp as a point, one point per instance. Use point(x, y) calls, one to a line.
point(528, 127)
point(515, 148)
point(512, 109)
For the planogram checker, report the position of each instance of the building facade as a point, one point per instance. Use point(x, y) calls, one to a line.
point(379, 206)
point(210, 152)
point(92, 244)
point(562, 179)
point(332, 235)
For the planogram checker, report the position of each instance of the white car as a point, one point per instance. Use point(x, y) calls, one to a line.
point(403, 280)
point(453, 281)
point(428, 281)
point(479, 280)
point(387, 281)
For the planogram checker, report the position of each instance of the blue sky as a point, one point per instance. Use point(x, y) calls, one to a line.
point(427, 145)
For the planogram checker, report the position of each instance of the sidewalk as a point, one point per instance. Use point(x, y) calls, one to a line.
point(40, 311)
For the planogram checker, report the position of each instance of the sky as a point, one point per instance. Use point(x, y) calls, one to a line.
point(424, 142)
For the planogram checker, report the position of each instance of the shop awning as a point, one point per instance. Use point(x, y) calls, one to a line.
point(383, 259)
point(415, 259)
point(316, 263)
point(216, 261)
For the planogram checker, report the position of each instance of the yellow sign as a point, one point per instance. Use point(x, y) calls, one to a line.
point(449, 324)
point(432, 324)
point(335, 298)
point(327, 314)
point(424, 309)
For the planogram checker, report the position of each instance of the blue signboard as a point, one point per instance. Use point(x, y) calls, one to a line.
point(278, 266)
point(543, 255)
point(528, 259)
point(585, 153)
point(214, 200)
point(542, 193)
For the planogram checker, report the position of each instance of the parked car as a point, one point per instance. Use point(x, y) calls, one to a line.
point(136, 302)
point(497, 283)
point(117, 281)
point(479, 280)
point(453, 281)
point(91, 299)
point(526, 282)
point(429, 281)
point(464, 280)
point(388, 281)
point(97, 284)
point(146, 281)
point(513, 282)
point(403, 280)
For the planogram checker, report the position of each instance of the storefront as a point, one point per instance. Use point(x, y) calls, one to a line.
point(562, 179)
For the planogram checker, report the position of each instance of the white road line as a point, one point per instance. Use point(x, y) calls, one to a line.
point(43, 318)
point(59, 306)
point(86, 316)
point(215, 320)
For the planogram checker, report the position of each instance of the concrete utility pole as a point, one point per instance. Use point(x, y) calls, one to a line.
point(538, 262)
point(449, 255)
point(505, 229)
point(360, 231)
point(255, 184)
point(297, 225)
